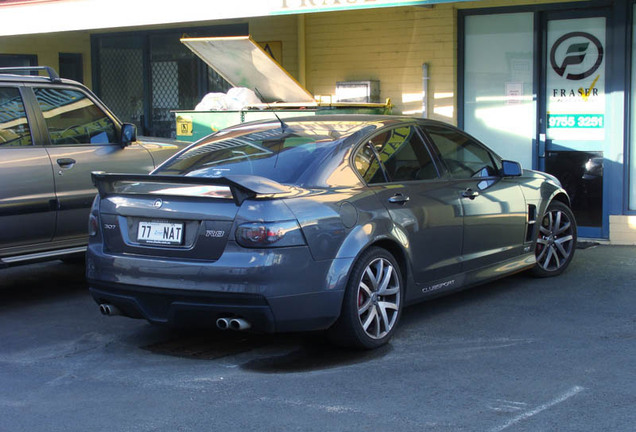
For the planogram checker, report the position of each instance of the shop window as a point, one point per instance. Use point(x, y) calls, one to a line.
point(72, 66)
point(499, 104)
point(145, 76)
point(19, 60)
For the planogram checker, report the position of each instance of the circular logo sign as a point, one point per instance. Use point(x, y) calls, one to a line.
point(579, 54)
point(158, 203)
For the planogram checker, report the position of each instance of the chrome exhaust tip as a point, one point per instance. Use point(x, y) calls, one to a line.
point(109, 310)
point(239, 324)
point(223, 323)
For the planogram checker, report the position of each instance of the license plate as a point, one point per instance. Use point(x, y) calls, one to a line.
point(160, 232)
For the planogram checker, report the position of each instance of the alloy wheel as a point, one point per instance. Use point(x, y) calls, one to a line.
point(556, 240)
point(378, 298)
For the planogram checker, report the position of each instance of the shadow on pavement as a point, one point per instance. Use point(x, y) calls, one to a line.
point(281, 353)
point(40, 281)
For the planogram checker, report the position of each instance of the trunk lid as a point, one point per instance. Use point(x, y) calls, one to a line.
point(174, 216)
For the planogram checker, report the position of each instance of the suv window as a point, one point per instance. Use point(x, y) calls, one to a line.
point(463, 156)
point(72, 118)
point(403, 155)
point(14, 128)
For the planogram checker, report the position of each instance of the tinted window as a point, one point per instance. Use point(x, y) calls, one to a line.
point(14, 128)
point(403, 155)
point(367, 165)
point(463, 156)
point(72, 118)
point(280, 155)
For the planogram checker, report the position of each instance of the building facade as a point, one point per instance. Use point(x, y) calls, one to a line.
point(547, 83)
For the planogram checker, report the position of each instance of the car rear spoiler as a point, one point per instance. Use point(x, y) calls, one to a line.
point(242, 187)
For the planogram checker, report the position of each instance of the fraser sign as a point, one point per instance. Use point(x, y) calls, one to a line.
point(303, 6)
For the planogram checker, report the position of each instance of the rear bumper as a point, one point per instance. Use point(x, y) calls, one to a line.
point(278, 290)
point(195, 309)
point(183, 308)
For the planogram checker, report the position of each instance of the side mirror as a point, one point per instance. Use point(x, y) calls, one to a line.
point(128, 134)
point(511, 169)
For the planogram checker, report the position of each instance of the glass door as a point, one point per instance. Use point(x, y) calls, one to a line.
point(574, 120)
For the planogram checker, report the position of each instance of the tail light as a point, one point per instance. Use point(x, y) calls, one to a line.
point(269, 234)
point(93, 225)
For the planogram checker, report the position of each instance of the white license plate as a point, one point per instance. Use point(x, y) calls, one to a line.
point(160, 232)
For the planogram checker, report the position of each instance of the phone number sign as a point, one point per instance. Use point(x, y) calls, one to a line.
point(586, 121)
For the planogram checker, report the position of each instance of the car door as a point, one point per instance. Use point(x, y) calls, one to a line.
point(494, 208)
point(419, 202)
point(27, 193)
point(82, 138)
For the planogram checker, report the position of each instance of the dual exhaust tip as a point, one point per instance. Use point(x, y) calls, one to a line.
point(233, 324)
point(109, 309)
point(237, 324)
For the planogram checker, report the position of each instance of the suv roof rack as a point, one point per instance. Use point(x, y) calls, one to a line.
point(53, 76)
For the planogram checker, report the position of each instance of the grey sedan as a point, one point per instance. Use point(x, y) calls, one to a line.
point(323, 223)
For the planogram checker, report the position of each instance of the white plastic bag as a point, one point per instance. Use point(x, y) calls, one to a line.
point(213, 102)
point(241, 97)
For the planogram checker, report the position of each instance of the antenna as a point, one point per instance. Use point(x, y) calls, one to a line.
point(283, 125)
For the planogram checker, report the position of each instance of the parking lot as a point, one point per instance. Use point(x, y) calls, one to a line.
point(520, 354)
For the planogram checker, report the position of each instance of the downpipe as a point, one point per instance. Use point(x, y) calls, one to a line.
point(109, 310)
point(237, 324)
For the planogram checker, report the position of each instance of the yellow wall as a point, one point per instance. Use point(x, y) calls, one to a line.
point(390, 45)
point(283, 29)
point(48, 47)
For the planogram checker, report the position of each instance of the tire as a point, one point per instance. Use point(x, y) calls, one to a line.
point(372, 304)
point(556, 241)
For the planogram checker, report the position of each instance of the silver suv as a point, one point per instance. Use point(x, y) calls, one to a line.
point(53, 133)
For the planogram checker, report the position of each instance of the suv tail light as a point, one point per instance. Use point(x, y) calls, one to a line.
point(93, 225)
point(269, 234)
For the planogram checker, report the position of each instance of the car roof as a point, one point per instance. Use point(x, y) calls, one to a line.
point(360, 120)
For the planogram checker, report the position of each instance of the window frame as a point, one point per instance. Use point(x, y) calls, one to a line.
point(495, 159)
point(28, 113)
point(42, 123)
point(387, 178)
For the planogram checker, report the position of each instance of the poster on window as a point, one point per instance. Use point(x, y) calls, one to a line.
point(576, 80)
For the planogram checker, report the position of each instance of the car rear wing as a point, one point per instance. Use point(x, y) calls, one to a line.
point(235, 187)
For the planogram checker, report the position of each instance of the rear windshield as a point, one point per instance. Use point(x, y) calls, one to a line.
point(284, 155)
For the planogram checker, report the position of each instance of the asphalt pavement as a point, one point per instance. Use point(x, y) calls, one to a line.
point(519, 354)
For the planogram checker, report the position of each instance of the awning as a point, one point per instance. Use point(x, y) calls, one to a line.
point(20, 17)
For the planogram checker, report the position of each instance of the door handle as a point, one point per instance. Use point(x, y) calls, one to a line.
point(398, 199)
point(66, 162)
point(470, 194)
